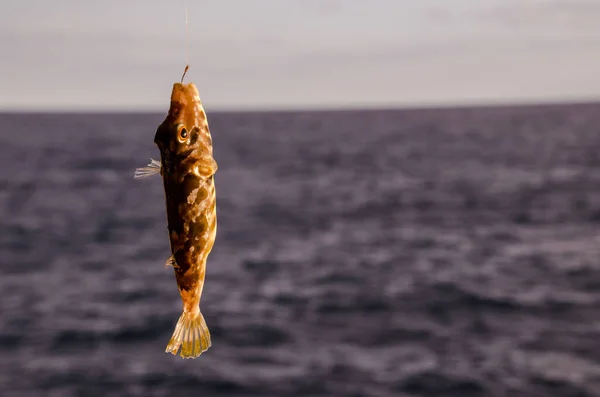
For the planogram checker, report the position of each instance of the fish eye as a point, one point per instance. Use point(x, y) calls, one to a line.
point(182, 132)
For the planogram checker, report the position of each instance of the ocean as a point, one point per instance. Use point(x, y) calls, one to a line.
point(408, 253)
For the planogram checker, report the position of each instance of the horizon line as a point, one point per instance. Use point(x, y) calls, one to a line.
point(315, 109)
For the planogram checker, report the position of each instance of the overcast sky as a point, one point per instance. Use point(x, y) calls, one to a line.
point(256, 54)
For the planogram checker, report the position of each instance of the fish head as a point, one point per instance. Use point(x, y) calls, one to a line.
point(184, 132)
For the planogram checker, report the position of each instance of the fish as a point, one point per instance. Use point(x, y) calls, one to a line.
point(188, 168)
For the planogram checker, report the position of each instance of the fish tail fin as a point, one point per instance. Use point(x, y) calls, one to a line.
point(191, 334)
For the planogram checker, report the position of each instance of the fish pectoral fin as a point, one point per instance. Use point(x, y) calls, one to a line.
point(191, 334)
point(214, 166)
point(171, 262)
point(151, 169)
point(206, 170)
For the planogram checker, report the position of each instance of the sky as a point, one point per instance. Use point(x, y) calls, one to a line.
point(297, 54)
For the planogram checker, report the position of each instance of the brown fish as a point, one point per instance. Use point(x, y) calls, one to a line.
point(187, 167)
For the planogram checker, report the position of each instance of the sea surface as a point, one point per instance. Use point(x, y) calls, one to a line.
point(409, 253)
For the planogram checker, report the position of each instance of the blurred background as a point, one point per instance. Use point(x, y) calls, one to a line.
point(408, 197)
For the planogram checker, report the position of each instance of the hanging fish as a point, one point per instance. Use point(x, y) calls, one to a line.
point(187, 168)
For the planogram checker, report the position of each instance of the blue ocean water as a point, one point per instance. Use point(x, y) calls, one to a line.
point(363, 253)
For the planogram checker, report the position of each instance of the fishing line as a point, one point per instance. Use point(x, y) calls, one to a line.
point(187, 58)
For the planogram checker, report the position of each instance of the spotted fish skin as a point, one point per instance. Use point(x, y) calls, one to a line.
point(188, 169)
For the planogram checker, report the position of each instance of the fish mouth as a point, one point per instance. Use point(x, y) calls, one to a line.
point(186, 107)
point(185, 93)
